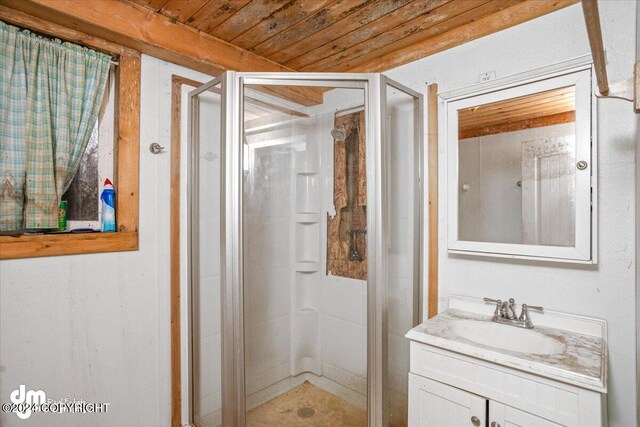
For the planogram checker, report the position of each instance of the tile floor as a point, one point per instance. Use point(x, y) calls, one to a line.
point(307, 405)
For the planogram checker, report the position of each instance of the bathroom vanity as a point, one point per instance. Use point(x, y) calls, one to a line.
point(469, 371)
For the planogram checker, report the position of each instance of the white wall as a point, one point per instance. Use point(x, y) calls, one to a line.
point(637, 233)
point(491, 206)
point(607, 290)
point(492, 165)
point(96, 327)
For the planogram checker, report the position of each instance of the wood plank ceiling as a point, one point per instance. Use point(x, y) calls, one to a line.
point(348, 35)
point(540, 109)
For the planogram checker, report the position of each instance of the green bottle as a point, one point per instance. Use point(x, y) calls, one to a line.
point(62, 216)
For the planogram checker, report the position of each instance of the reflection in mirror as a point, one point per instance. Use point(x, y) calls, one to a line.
point(517, 170)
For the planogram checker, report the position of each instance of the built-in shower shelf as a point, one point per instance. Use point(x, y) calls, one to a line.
point(307, 217)
point(305, 168)
point(307, 266)
point(306, 311)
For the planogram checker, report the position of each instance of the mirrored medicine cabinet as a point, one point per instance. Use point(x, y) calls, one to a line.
point(521, 169)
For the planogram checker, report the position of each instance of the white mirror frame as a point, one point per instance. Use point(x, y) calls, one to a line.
point(585, 249)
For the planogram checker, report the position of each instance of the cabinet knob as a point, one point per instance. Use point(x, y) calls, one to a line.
point(495, 424)
point(475, 421)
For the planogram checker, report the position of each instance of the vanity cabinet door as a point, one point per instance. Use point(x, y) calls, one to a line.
point(505, 416)
point(433, 404)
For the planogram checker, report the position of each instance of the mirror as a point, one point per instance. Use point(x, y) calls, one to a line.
point(523, 162)
point(517, 170)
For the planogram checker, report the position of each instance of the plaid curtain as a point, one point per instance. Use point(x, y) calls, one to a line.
point(50, 97)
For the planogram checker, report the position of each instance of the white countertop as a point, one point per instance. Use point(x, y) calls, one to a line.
point(583, 363)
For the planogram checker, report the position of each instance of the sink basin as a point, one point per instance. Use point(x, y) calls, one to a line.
point(507, 337)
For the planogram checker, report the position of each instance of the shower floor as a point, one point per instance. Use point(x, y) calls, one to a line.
point(307, 405)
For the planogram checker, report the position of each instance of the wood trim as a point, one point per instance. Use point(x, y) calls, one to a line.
point(554, 119)
point(30, 246)
point(128, 146)
point(154, 34)
point(176, 375)
point(592, 19)
point(174, 242)
point(506, 18)
point(432, 114)
point(127, 162)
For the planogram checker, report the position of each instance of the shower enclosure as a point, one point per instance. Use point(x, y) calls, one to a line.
point(270, 334)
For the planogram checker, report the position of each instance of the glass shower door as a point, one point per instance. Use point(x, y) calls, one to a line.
point(402, 192)
point(319, 222)
point(202, 364)
point(304, 323)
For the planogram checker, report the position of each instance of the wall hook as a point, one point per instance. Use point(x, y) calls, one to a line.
point(156, 148)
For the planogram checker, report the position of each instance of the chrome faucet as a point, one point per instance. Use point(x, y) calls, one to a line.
point(506, 313)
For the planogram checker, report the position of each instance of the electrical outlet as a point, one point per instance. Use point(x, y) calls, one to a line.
point(485, 77)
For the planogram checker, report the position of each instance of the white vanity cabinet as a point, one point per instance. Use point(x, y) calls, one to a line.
point(454, 382)
point(435, 404)
point(503, 415)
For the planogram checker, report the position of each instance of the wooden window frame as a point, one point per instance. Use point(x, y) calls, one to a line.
point(126, 162)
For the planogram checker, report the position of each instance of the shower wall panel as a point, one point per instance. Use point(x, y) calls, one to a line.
point(267, 266)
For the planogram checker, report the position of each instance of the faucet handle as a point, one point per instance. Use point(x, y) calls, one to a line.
point(524, 315)
point(498, 304)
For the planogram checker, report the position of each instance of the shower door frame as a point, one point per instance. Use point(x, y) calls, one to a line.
point(193, 237)
point(232, 282)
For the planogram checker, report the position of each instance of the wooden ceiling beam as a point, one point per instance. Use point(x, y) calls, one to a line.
point(511, 126)
point(155, 5)
point(505, 18)
point(594, 31)
point(142, 29)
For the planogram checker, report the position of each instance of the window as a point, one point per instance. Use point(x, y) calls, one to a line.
point(124, 156)
point(96, 165)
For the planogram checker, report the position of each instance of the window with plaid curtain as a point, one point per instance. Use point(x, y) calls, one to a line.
point(50, 97)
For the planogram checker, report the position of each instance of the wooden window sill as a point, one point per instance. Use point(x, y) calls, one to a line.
point(30, 246)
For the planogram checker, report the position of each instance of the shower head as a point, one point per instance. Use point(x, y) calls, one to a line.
point(338, 134)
